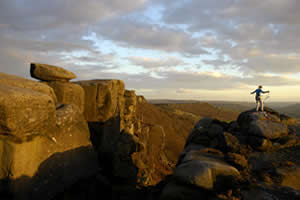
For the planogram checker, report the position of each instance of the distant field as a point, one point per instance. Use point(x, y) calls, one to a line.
point(201, 110)
point(289, 108)
point(292, 110)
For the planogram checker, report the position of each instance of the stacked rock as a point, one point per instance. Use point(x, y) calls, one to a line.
point(41, 143)
point(59, 79)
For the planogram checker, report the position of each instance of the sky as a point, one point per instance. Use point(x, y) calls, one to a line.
point(162, 49)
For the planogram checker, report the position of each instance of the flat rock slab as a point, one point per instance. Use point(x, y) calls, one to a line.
point(11, 80)
point(50, 73)
point(25, 112)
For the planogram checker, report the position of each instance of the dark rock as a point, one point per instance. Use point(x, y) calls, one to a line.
point(267, 129)
point(175, 191)
point(238, 160)
point(260, 143)
point(205, 132)
point(264, 192)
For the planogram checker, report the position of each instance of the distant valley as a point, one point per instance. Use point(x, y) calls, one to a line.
point(289, 108)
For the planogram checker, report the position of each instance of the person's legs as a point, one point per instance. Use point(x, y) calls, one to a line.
point(262, 105)
point(257, 105)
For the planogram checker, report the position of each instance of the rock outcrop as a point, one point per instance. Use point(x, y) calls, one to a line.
point(59, 138)
point(25, 112)
point(267, 131)
point(128, 150)
point(44, 145)
point(105, 97)
point(256, 157)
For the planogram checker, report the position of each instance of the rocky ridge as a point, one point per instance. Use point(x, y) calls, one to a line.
point(61, 139)
point(255, 157)
point(55, 134)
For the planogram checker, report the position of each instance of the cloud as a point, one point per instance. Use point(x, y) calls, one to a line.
point(40, 15)
point(151, 63)
point(130, 33)
point(262, 32)
point(157, 46)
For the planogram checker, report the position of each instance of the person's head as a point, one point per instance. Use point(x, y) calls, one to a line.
point(260, 86)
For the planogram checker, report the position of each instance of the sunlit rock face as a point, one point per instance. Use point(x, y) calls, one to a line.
point(104, 99)
point(128, 150)
point(44, 143)
point(46, 72)
point(68, 93)
point(11, 80)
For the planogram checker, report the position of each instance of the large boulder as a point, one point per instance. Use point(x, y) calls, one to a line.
point(68, 93)
point(11, 80)
point(267, 131)
point(46, 72)
point(44, 165)
point(210, 132)
point(204, 171)
point(25, 112)
point(104, 99)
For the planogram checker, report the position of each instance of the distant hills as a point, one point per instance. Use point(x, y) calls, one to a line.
point(289, 108)
point(178, 119)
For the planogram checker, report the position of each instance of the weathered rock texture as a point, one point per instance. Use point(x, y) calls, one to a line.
point(128, 150)
point(25, 112)
point(256, 157)
point(46, 72)
point(68, 93)
point(11, 80)
point(105, 99)
point(43, 148)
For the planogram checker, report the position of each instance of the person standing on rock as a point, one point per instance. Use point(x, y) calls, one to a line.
point(259, 102)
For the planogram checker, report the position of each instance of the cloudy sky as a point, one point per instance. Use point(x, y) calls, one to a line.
point(179, 49)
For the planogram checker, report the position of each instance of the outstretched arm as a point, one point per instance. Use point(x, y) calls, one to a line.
point(253, 92)
point(265, 91)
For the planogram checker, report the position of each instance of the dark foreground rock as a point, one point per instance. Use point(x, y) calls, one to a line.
point(256, 157)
